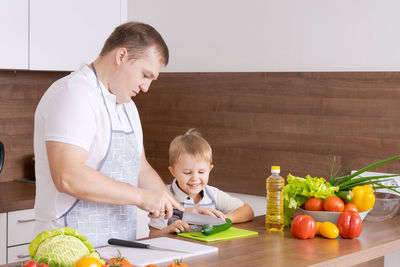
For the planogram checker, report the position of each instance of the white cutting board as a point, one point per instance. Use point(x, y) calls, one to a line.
point(142, 257)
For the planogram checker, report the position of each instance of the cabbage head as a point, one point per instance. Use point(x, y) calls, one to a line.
point(60, 247)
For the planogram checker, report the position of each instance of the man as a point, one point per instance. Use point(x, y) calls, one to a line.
point(91, 168)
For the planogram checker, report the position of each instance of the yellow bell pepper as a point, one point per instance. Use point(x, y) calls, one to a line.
point(364, 197)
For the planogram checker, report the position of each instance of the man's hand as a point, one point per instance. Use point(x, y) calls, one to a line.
point(158, 203)
point(206, 211)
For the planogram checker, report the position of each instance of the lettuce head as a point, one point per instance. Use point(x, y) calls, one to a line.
point(298, 190)
point(60, 247)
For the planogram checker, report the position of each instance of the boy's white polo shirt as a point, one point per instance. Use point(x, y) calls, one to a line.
point(223, 201)
point(72, 111)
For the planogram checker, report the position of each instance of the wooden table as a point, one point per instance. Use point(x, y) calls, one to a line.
point(281, 249)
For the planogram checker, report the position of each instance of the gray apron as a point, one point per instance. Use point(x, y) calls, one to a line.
point(99, 222)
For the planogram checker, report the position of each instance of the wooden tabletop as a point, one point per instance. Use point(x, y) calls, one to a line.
point(16, 196)
point(281, 249)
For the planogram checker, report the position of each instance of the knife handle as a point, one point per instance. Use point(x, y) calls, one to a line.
point(178, 213)
point(126, 243)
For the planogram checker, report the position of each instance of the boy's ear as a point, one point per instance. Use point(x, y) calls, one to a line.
point(211, 167)
point(171, 170)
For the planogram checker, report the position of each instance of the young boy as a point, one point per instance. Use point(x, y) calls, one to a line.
point(190, 158)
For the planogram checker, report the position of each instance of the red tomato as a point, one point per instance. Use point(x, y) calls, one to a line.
point(349, 224)
point(350, 207)
point(30, 263)
point(118, 261)
point(43, 265)
point(122, 262)
point(334, 203)
point(178, 263)
point(314, 203)
point(303, 227)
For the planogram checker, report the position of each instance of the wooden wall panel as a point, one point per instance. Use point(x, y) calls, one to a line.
point(254, 120)
point(20, 93)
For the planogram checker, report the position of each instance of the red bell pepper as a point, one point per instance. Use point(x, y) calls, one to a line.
point(349, 224)
point(303, 227)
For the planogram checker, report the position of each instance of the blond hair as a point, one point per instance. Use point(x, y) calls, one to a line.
point(191, 143)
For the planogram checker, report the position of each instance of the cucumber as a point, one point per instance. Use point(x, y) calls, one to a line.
point(209, 229)
point(346, 196)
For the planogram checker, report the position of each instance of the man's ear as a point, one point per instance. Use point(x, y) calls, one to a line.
point(121, 55)
point(171, 170)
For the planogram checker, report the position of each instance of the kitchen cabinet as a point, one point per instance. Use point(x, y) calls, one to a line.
point(16, 231)
point(56, 35)
point(3, 238)
point(14, 34)
point(64, 34)
point(18, 253)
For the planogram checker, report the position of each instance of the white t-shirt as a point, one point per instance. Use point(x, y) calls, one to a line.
point(72, 111)
point(224, 202)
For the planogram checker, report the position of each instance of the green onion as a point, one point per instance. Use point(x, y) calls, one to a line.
point(347, 182)
point(333, 164)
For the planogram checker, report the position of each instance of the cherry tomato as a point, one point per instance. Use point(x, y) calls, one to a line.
point(350, 207)
point(119, 261)
point(303, 227)
point(178, 263)
point(30, 263)
point(334, 203)
point(329, 230)
point(88, 262)
point(314, 203)
point(43, 265)
point(349, 224)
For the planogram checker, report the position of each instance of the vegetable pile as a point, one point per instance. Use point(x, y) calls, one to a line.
point(349, 225)
point(61, 247)
point(335, 195)
point(298, 190)
point(66, 247)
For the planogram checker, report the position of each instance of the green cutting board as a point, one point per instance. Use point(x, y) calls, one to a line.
point(231, 233)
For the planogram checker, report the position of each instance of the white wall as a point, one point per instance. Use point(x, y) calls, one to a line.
point(276, 35)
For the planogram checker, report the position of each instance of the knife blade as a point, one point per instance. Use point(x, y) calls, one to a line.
point(133, 244)
point(196, 218)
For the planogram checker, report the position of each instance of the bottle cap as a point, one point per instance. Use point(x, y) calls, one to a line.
point(275, 169)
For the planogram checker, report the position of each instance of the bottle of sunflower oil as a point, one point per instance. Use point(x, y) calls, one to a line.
point(274, 214)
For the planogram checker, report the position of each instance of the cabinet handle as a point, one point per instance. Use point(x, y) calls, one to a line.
point(22, 256)
point(25, 221)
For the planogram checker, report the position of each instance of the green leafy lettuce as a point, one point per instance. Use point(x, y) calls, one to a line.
point(60, 247)
point(298, 190)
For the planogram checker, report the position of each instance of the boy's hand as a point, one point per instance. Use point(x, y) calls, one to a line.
point(178, 226)
point(206, 211)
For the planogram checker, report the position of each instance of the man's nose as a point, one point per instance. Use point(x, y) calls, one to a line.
point(145, 86)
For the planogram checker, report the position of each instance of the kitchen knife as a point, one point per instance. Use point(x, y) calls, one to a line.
point(133, 244)
point(196, 218)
